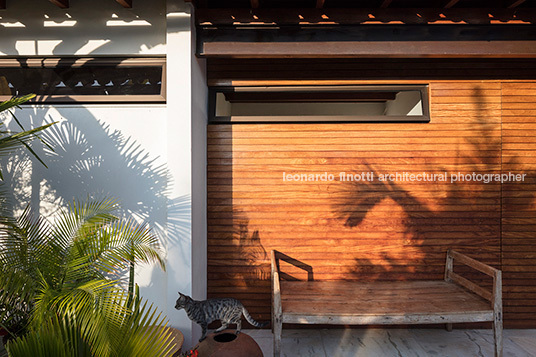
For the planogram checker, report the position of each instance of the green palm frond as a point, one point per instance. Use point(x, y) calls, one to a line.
point(95, 307)
point(147, 334)
point(108, 327)
point(67, 272)
point(55, 337)
point(10, 141)
point(122, 242)
point(83, 219)
point(26, 245)
point(15, 293)
point(15, 102)
point(49, 341)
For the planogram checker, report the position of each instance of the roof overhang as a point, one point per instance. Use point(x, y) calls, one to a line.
point(437, 29)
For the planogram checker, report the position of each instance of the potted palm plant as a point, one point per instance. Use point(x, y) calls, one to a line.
point(61, 285)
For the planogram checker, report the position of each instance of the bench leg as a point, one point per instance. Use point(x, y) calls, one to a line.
point(448, 327)
point(278, 327)
point(497, 334)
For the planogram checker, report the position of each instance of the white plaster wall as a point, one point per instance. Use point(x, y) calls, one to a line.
point(117, 151)
point(125, 150)
point(180, 117)
point(87, 27)
point(199, 181)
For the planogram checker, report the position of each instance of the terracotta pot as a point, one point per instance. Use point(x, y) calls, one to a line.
point(228, 344)
point(177, 339)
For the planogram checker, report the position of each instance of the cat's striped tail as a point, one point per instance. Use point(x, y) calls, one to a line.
point(251, 320)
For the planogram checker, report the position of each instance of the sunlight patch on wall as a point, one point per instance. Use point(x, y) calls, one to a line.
point(47, 47)
point(66, 23)
point(12, 24)
point(156, 50)
point(28, 47)
point(112, 23)
point(91, 46)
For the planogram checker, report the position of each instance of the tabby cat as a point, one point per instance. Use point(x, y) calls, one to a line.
point(228, 311)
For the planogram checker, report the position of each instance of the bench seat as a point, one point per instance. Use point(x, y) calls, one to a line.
point(454, 299)
point(380, 303)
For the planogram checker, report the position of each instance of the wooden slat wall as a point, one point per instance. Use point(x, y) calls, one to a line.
point(354, 231)
point(519, 204)
point(482, 119)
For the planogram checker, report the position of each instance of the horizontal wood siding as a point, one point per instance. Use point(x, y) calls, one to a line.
point(355, 230)
point(519, 204)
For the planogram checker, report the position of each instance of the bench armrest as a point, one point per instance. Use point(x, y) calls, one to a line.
point(276, 291)
point(495, 296)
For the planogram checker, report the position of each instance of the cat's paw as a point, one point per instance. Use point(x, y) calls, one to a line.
point(237, 333)
point(202, 338)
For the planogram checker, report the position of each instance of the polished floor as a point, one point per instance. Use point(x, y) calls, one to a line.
point(396, 343)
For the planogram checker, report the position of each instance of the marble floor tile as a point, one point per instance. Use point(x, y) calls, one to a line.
point(363, 342)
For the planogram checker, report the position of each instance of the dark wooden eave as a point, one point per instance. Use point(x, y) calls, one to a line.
point(451, 3)
point(386, 3)
point(63, 4)
point(125, 3)
point(380, 28)
point(364, 16)
point(515, 3)
point(422, 4)
point(367, 49)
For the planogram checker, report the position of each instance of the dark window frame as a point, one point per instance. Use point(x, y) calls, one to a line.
point(80, 62)
point(328, 89)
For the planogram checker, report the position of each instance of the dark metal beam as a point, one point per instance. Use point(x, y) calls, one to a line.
point(516, 4)
point(2, 4)
point(451, 3)
point(63, 4)
point(254, 4)
point(320, 4)
point(125, 3)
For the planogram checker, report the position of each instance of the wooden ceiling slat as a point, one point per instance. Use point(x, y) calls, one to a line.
point(320, 4)
point(125, 3)
point(63, 4)
point(516, 4)
point(451, 3)
point(254, 4)
point(2, 4)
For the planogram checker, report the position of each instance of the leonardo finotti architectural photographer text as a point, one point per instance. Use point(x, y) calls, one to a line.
point(405, 176)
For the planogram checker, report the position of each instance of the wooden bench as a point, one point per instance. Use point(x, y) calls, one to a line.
point(452, 300)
